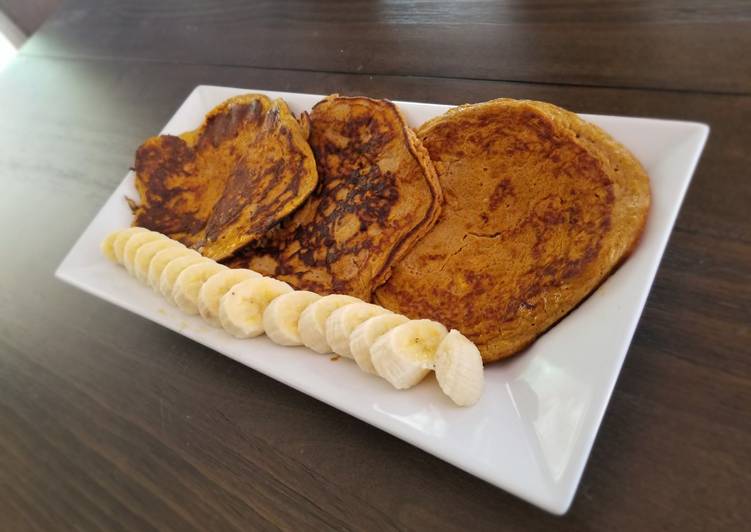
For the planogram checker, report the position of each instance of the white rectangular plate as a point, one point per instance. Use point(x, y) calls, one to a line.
point(533, 429)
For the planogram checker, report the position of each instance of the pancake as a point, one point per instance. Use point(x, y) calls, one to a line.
point(228, 182)
point(540, 207)
point(377, 194)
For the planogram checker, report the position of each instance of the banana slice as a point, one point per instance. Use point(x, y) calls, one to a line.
point(135, 243)
point(189, 283)
point(241, 309)
point(106, 247)
point(312, 324)
point(173, 270)
point(160, 261)
point(215, 287)
point(118, 244)
point(145, 253)
point(405, 354)
point(281, 317)
point(341, 323)
point(458, 369)
point(366, 333)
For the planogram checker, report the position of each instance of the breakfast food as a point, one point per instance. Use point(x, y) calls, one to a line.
point(173, 270)
point(227, 183)
point(241, 309)
point(134, 244)
point(281, 318)
point(213, 290)
point(344, 320)
point(161, 259)
point(251, 305)
point(458, 369)
point(540, 208)
point(364, 335)
point(113, 245)
point(377, 195)
point(146, 252)
point(312, 323)
point(189, 283)
point(406, 354)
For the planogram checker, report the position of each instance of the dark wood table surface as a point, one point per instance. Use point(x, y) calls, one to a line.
point(110, 422)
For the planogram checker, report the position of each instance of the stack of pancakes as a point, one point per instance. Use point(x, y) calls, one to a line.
point(495, 219)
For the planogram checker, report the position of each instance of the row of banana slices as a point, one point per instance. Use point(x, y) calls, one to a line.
point(247, 304)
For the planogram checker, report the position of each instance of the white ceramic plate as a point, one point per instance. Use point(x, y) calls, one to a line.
point(533, 429)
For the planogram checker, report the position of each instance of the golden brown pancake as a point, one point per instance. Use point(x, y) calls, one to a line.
point(540, 207)
point(377, 194)
point(228, 182)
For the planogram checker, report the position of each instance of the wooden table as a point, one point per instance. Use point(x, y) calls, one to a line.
point(110, 422)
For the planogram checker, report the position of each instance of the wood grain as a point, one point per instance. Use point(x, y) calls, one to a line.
point(684, 45)
point(110, 422)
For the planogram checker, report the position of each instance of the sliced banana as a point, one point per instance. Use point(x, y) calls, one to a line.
point(405, 354)
point(135, 243)
point(312, 324)
point(160, 261)
point(106, 247)
point(458, 369)
point(246, 304)
point(366, 333)
point(173, 270)
point(215, 287)
point(145, 253)
point(341, 323)
point(118, 244)
point(189, 283)
point(281, 317)
point(241, 309)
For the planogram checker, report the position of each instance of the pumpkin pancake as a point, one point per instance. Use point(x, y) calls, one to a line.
point(377, 194)
point(228, 182)
point(540, 207)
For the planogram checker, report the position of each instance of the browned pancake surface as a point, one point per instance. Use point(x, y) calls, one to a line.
point(228, 182)
point(540, 207)
point(377, 194)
